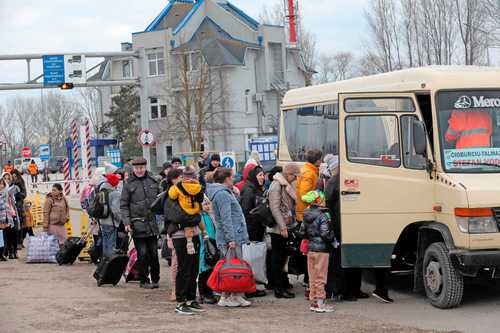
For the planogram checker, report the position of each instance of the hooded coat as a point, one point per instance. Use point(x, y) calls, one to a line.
point(318, 229)
point(208, 168)
point(282, 203)
point(248, 198)
point(189, 195)
point(229, 218)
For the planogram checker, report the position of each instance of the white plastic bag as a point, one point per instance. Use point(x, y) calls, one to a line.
point(255, 254)
point(42, 249)
point(1, 239)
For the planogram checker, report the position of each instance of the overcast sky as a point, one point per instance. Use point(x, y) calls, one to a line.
point(33, 26)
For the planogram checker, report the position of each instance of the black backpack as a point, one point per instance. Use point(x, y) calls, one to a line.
point(99, 204)
point(262, 211)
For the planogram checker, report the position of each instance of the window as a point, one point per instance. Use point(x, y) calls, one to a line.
point(158, 108)
point(373, 140)
point(379, 105)
point(410, 158)
point(170, 152)
point(156, 62)
point(127, 68)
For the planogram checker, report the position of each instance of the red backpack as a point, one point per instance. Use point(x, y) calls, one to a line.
point(232, 275)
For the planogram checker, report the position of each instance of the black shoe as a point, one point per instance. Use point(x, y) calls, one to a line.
point(208, 300)
point(195, 307)
point(184, 309)
point(2, 258)
point(15, 255)
point(383, 296)
point(281, 293)
point(11, 256)
point(362, 295)
point(155, 285)
point(350, 298)
point(269, 286)
point(147, 285)
point(258, 293)
point(288, 286)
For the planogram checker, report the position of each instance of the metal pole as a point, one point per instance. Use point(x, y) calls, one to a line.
point(23, 86)
point(86, 54)
point(28, 63)
point(146, 153)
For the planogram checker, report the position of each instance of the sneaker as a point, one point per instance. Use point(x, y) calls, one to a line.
point(313, 306)
point(383, 296)
point(228, 302)
point(243, 302)
point(184, 309)
point(195, 307)
point(155, 285)
point(322, 307)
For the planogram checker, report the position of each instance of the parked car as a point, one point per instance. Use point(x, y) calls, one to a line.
point(55, 165)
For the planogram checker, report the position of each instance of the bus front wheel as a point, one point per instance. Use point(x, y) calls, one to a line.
point(444, 286)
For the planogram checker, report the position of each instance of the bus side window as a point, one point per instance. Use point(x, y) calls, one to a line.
point(410, 158)
point(424, 102)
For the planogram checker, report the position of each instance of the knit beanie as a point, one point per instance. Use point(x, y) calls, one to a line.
point(313, 197)
point(113, 179)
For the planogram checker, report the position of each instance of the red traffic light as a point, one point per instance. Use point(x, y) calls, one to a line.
point(66, 86)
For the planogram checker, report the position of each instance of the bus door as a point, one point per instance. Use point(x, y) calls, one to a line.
point(384, 184)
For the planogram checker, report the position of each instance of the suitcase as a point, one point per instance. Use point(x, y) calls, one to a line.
point(133, 270)
point(70, 250)
point(110, 270)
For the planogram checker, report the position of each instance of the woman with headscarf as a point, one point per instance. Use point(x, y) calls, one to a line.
point(254, 187)
point(252, 162)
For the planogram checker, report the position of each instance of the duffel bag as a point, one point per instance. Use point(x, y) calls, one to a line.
point(232, 275)
point(42, 248)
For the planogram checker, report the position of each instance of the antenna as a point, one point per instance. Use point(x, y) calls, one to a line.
point(291, 20)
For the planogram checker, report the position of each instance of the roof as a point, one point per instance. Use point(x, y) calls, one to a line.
point(178, 13)
point(216, 45)
point(423, 79)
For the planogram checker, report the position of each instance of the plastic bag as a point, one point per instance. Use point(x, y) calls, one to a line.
point(255, 254)
point(42, 248)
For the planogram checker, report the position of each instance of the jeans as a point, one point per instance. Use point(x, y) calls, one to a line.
point(108, 240)
point(278, 261)
point(187, 271)
point(147, 254)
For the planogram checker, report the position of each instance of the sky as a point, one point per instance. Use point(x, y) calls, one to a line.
point(34, 26)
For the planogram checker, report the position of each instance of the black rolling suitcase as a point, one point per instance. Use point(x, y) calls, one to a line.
point(71, 249)
point(110, 270)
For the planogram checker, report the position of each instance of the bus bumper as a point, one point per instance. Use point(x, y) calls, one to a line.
point(468, 263)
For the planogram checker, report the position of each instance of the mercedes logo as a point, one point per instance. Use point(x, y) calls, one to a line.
point(463, 102)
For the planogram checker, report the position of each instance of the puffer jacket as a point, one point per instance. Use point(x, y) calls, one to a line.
point(282, 203)
point(229, 218)
point(137, 196)
point(55, 211)
point(189, 195)
point(306, 182)
point(114, 196)
point(317, 228)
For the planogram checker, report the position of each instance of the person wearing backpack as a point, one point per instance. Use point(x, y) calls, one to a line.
point(138, 193)
point(282, 199)
point(109, 196)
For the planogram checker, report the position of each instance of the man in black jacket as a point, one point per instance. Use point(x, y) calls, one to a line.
point(137, 195)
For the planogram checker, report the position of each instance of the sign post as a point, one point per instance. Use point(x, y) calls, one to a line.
point(228, 160)
point(146, 138)
point(53, 70)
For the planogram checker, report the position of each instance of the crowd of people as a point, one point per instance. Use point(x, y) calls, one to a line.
point(207, 204)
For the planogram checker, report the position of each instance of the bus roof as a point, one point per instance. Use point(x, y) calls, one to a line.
point(424, 79)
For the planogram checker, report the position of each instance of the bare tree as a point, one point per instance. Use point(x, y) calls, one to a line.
point(23, 110)
point(90, 101)
point(472, 17)
point(8, 132)
point(198, 97)
point(340, 66)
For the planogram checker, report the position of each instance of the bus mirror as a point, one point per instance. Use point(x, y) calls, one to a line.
point(419, 138)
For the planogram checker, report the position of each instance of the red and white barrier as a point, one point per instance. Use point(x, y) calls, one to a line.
point(67, 185)
point(87, 146)
point(76, 161)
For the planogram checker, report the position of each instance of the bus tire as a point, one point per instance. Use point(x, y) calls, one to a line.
point(444, 286)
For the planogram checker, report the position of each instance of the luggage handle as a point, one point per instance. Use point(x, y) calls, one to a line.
point(230, 254)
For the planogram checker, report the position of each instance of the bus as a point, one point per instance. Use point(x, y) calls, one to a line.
point(419, 156)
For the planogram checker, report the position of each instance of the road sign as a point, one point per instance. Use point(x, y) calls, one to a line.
point(26, 152)
point(228, 160)
point(146, 138)
point(44, 152)
point(53, 70)
point(74, 69)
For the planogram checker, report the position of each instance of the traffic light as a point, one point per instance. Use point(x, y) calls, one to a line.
point(66, 86)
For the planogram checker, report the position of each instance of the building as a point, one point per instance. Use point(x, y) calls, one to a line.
point(242, 66)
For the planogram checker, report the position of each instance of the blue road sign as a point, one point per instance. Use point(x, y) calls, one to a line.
point(53, 70)
point(44, 152)
point(228, 162)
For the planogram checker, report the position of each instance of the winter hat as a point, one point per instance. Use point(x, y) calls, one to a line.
point(166, 165)
point(332, 161)
point(313, 197)
point(176, 160)
point(189, 173)
point(113, 179)
point(215, 157)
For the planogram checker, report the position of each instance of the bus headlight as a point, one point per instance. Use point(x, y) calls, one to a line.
point(476, 220)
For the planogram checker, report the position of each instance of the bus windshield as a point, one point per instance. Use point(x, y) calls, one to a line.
point(469, 123)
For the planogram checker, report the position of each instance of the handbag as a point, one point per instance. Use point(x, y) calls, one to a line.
point(232, 275)
point(212, 253)
point(262, 211)
point(255, 254)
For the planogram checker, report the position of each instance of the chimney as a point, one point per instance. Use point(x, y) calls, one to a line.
point(292, 22)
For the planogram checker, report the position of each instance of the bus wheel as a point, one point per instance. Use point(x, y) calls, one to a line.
point(444, 286)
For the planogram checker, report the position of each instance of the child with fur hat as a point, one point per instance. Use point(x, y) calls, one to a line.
point(318, 230)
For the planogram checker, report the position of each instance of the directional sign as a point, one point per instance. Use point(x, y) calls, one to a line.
point(228, 160)
point(44, 152)
point(74, 69)
point(53, 70)
point(146, 138)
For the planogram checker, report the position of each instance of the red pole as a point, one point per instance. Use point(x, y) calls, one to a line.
point(292, 22)
point(76, 161)
point(67, 185)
